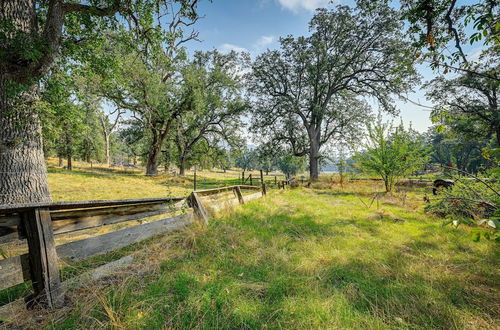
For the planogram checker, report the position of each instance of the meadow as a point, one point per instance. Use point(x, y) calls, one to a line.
point(307, 258)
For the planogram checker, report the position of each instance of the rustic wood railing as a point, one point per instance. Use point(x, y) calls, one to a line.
point(39, 224)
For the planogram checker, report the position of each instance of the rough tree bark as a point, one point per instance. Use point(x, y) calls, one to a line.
point(23, 176)
point(314, 145)
point(182, 166)
point(155, 151)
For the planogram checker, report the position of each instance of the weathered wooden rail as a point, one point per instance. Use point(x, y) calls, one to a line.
point(39, 224)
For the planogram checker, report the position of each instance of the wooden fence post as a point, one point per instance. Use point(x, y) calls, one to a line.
point(44, 265)
point(239, 194)
point(263, 184)
point(275, 180)
point(251, 182)
point(243, 177)
point(199, 211)
point(194, 181)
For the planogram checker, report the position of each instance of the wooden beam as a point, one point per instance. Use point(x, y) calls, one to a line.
point(83, 249)
point(198, 209)
point(43, 261)
point(252, 196)
point(69, 221)
point(5, 209)
point(14, 271)
point(237, 190)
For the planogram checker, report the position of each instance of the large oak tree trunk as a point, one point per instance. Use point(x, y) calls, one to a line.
point(23, 176)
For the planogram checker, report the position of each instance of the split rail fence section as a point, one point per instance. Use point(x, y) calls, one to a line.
point(40, 223)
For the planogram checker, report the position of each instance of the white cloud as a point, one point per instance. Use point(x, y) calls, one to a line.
point(226, 48)
point(297, 5)
point(263, 42)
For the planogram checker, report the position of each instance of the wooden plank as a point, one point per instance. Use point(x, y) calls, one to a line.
point(9, 230)
point(222, 205)
point(198, 209)
point(84, 204)
point(80, 250)
point(252, 196)
point(14, 271)
point(239, 195)
point(97, 273)
point(9, 220)
point(213, 191)
point(44, 265)
point(69, 221)
point(245, 187)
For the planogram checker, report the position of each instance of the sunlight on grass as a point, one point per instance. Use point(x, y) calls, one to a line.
point(305, 258)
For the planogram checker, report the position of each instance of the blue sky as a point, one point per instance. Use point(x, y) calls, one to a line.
point(255, 25)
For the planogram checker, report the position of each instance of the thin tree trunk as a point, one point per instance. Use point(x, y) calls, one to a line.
point(498, 134)
point(106, 149)
point(69, 148)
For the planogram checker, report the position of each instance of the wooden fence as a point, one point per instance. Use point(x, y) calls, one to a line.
point(40, 223)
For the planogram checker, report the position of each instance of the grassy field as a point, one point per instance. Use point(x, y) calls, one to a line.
point(316, 258)
point(99, 182)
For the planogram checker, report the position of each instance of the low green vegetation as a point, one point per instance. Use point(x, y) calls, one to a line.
point(303, 258)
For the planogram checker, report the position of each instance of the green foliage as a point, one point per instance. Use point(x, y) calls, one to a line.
point(291, 165)
point(391, 153)
point(309, 92)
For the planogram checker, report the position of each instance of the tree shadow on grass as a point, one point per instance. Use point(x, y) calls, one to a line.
point(402, 298)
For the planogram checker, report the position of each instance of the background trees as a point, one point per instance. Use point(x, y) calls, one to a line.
point(33, 33)
point(307, 93)
point(470, 103)
point(212, 104)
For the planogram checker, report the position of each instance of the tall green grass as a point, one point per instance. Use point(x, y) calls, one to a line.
point(303, 259)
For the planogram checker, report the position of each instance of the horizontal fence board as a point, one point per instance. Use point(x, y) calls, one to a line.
point(84, 204)
point(252, 196)
point(213, 191)
point(13, 271)
point(80, 250)
point(221, 205)
point(69, 221)
point(249, 187)
point(9, 220)
point(222, 189)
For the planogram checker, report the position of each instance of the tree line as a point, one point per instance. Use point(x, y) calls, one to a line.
point(113, 82)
